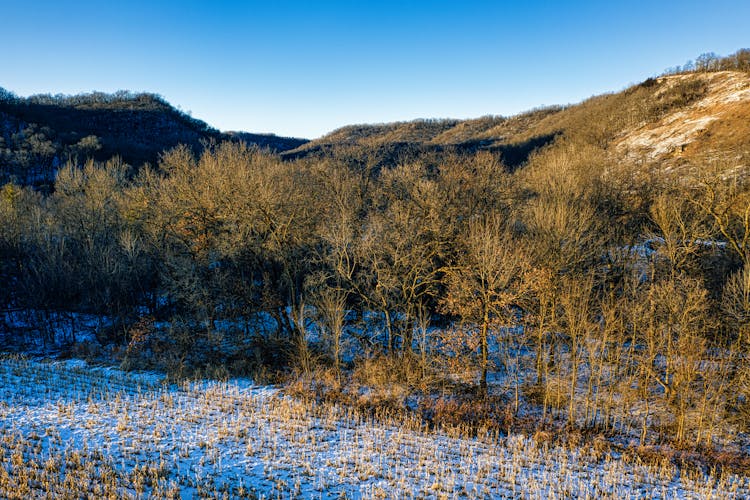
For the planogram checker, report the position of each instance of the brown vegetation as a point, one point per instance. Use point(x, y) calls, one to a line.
point(576, 290)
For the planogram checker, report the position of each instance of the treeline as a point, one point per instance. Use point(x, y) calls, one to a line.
point(710, 61)
point(597, 297)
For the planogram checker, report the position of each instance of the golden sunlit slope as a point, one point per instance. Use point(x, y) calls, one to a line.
point(668, 120)
point(718, 122)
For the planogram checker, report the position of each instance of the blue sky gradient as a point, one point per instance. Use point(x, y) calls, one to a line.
point(304, 68)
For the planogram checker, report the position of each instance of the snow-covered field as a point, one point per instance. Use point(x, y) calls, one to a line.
point(68, 430)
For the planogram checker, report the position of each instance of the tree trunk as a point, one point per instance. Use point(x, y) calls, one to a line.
point(484, 348)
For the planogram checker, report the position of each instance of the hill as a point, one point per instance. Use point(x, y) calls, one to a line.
point(40, 132)
point(665, 122)
point(671, 120)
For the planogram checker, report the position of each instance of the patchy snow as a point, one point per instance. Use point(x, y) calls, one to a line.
point(133, 436)
point(673, 132)
point(39, 332)
point(728, 87)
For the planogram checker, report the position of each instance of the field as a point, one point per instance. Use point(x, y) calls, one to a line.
point(69, 430)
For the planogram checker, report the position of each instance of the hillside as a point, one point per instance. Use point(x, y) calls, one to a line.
point(668, 120)
point(717, 121)
point(39, 133)
point(391, 142)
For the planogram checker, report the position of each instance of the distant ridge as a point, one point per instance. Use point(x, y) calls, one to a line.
point(662, 123)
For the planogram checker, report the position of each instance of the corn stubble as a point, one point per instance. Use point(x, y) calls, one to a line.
point(70, 431)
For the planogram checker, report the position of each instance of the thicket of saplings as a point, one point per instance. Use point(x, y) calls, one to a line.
point(570, 292)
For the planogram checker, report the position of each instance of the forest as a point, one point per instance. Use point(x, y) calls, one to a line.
point(39, 133)
point(575, 288)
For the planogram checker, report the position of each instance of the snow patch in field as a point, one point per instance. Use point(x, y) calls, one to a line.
point(236, 438)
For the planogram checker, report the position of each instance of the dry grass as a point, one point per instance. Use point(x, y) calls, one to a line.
point(71, 431)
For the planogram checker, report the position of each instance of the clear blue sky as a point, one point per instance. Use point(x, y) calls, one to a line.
point(303, 68)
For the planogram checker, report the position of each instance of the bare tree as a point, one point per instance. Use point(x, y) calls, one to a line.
point(485, 283)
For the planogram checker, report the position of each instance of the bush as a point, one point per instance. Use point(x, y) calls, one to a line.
point(471, 414)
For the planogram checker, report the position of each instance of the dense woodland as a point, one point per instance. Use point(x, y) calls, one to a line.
point(571, 288)
point(41, 133)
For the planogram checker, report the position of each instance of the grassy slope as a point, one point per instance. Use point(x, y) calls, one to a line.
point(715, 106)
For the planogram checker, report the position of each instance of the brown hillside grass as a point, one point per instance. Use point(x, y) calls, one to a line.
point(659, 123)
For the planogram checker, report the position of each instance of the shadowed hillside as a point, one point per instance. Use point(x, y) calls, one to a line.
point(39, 133)
point(388, 144)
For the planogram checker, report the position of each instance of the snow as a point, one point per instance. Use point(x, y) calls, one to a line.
point(210, 438)
point(679, 128)
point(673, 133)
point(41, 331)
